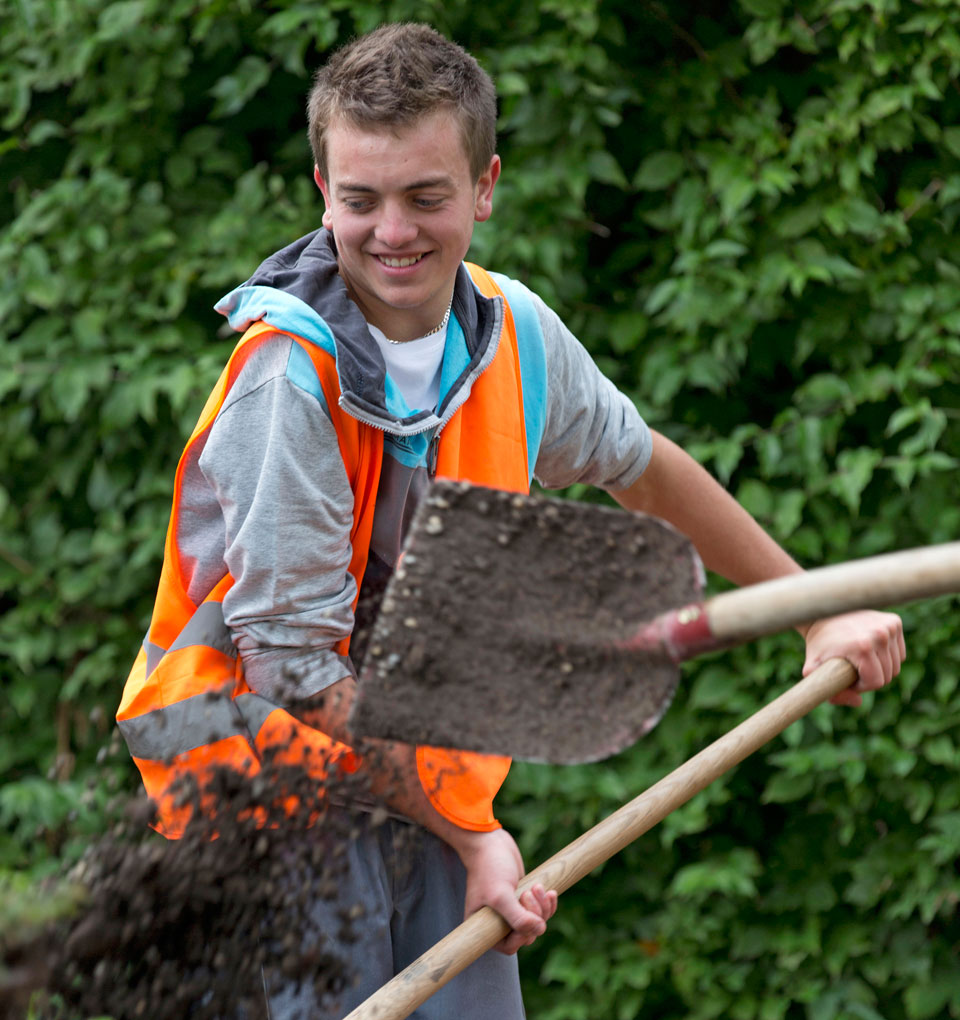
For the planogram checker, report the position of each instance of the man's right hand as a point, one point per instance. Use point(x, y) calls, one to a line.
point(494, 867)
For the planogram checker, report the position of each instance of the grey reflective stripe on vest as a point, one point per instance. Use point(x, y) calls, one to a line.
point(203, 719)
point(154, 654)
point(206, 627)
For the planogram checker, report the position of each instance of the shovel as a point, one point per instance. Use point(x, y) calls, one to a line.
point(550, 630)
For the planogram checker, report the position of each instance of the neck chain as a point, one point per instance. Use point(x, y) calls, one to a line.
point(436, 329)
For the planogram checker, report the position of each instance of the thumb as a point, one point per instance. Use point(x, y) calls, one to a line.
point(507, 904)
point(810, 663)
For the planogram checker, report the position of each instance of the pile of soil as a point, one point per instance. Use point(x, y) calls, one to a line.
point(197, 927)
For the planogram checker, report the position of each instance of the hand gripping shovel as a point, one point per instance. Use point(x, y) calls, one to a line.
point(550, 630)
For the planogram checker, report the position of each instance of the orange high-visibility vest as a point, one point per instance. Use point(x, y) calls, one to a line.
point(186, 706)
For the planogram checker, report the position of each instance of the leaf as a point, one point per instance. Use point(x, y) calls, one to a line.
point(727, 455)
point(603, 167)
point(117, 20)
point(756, 498)
point(788, 512)
point(940, 751)
point(234, 91)
point(102, 488)
point(732, 875)
point(724, 248)
point(902, 418)
point(74, 385)
point(930, 998)
point(43, 130)
point(799, 221)
point(510, 83)
point(783, 788)
point(854, 474)
point(735, 196)
point(39, 284)
point(661, 295)
point(628, 329)
point(823, 391)
point(658, 171)
point(951, 140)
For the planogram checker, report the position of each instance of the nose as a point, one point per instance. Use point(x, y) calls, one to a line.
point(395, 227)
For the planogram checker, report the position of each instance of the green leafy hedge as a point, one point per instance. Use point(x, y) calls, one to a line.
point(747, 211)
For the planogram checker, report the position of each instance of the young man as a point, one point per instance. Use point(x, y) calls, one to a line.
point(374, 358)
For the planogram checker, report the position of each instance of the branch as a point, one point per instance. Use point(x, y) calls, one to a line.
point(694, 44)
point(921, 200)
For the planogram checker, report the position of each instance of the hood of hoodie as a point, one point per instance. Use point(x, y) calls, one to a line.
point(299, 290)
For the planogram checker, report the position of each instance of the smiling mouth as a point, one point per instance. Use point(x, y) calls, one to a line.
point(395, 263)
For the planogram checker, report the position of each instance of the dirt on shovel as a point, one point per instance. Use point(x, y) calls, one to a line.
point(584, 577)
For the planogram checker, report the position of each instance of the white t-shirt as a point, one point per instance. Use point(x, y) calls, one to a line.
point(414, 366)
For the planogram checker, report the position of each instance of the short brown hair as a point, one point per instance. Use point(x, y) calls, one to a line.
point(397, 74)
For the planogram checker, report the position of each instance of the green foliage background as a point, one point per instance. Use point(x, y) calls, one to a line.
point(748, 211)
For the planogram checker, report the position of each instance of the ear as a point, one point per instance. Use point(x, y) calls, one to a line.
point(485, 185)
point(327, 218)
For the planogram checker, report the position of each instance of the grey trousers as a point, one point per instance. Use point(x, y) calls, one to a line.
point(404, 890)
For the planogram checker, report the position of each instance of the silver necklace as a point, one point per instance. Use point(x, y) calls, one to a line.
point(436, 329)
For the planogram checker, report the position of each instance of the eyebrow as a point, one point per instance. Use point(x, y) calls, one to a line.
point(421, 185)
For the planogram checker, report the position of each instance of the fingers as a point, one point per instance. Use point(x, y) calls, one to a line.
point(873, 669)
point(527, 915)
point(848, 698)
point(526, 924)
point(522, 914)
point(525, 935)
point(872, 642)
point(881, 662)
point(540, 901)
point(514, 942)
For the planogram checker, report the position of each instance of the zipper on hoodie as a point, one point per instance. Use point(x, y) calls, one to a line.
point(432, 454)
point(433, 447)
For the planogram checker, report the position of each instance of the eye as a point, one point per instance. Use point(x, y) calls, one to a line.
point(427, 203)
point(357, 204)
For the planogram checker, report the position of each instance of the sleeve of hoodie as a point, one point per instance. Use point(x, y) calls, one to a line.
point(593, 433)
point(272, 462)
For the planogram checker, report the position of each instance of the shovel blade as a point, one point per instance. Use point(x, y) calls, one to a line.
point(501, 629)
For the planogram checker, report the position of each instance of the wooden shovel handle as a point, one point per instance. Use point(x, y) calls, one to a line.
point(481, 931)
point(800, 598)
point(771, 606)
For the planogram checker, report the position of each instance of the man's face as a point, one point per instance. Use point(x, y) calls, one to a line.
point(401, 206)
